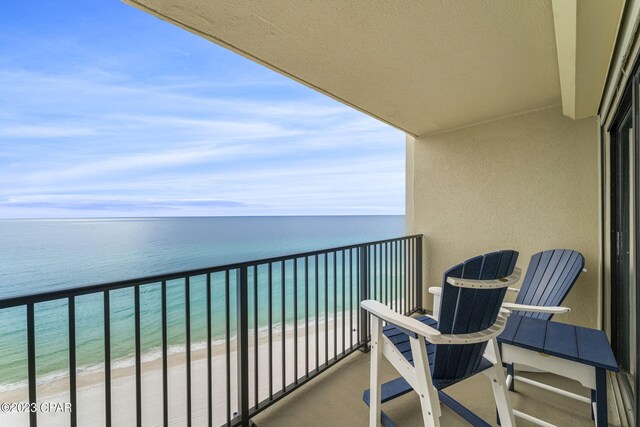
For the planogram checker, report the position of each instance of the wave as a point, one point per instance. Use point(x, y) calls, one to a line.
point(121, 363)
point(148, 356)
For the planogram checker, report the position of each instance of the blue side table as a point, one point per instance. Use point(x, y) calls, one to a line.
point(574, 352)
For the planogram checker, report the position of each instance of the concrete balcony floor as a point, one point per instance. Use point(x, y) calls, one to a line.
point(335, 399)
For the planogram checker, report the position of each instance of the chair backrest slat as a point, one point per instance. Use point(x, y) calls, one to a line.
point(465, 310)
point(549, 277)
point(505, 268)
point(551, 271)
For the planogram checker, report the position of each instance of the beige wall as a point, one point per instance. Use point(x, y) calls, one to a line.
point(528, 182)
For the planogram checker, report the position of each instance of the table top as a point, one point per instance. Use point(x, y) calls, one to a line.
point(583, 345)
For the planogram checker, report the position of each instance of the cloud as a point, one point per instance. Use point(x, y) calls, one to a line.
point(178, 130)
point(40, 131)
point(114, 167)
point(120, 205)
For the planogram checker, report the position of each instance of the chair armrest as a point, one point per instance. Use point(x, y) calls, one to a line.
point(437, 290)
point(408, 324)
point(486, 284)
point(415, 327)
point(535, 308)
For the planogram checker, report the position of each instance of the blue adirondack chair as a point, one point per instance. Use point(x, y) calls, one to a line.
point(548, 280)
point(432, 355)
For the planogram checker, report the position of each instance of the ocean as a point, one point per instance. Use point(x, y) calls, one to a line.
point(44, 255)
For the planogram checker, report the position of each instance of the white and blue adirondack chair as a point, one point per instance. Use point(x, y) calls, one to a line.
point(548, 280)
point(432, 355)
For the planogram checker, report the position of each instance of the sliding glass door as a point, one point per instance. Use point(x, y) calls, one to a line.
point(624, 240)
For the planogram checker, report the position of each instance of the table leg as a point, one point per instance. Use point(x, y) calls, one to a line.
point(601, 398)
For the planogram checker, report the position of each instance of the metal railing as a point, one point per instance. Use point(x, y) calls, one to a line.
point(274, 323)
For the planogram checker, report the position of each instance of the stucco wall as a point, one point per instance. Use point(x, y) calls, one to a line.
point(528, 182)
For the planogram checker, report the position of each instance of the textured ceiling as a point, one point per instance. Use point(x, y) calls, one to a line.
point(423, 66)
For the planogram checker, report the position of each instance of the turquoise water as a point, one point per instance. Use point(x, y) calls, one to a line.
point(44, 255)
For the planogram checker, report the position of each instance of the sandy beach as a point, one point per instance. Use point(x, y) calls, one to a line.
point(91, 397)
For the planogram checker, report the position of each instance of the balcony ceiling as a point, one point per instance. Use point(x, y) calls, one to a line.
point(421, 66)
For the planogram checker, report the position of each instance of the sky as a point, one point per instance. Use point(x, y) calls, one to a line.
point(106, 111)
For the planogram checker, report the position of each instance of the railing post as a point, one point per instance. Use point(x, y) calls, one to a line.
point(418, 264)
point(31, 364)
point(242, 345)
point(364, 294)
point(72, 361)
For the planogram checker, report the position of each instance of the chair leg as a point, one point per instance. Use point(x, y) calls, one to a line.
point(429, 400)
point(512, 373)
point(376, 385)
point(500, 389)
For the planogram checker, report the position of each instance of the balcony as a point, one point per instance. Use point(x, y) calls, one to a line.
point(191, 372)
point(214, 346)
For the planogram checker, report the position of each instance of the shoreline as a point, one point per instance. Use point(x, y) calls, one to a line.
point(90, 385)
point(155, 353)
